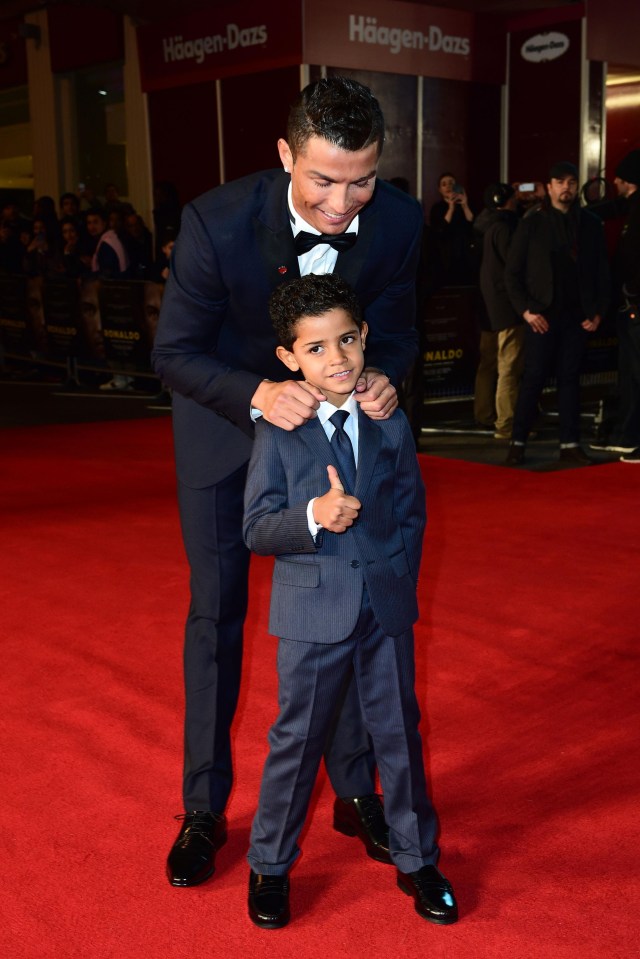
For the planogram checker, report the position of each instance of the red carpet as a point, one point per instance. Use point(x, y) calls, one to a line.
point(527, 672)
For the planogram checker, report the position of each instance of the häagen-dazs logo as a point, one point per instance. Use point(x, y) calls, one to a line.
point(545, 46)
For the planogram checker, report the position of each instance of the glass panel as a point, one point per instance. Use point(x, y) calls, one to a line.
point(16, 162)
point(100, 126)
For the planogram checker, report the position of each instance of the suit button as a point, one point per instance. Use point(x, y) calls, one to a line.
point(355, 563)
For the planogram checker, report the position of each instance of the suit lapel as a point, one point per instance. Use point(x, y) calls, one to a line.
point(369, 439)
point(349, 264)
point(313, 435)
point(274, 237)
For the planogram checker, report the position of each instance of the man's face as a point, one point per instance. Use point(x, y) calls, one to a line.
point(328, 350)
point(330, 185)
point(624, 188)
point(91, 321)
point(69, 207)
point(152, 303)
point(95, 225)
point(562, 192)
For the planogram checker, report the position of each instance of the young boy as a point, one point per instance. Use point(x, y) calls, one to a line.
point(347, 541)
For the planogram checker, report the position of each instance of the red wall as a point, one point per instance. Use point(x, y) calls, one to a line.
point(183, 127)
point(183, 124)
point(544, 106)
point(254, 114)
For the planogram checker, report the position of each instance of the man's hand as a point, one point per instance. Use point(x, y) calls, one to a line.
point(376, 395)
point(336, 510)
point(536, 321)
point(287, 405)
point(591, 325)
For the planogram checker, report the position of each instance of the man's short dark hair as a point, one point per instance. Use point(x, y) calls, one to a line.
point(311, 295)
point(340, 110)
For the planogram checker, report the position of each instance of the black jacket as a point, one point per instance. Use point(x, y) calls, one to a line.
point(529, 275)
point(497, 228)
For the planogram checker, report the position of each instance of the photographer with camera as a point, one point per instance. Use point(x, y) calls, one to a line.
point(451, 220)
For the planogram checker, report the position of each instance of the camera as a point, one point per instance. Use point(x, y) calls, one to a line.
point(457, 188)
point(526, 187)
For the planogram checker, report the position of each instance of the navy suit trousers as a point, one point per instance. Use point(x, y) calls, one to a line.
point(311, 676)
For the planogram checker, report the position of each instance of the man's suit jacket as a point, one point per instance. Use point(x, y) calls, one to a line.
point(317, 586)
point(215, 343)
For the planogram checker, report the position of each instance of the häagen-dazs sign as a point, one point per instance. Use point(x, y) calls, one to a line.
point(545, 46)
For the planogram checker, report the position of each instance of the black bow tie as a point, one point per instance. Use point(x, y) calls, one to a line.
point(339, 241)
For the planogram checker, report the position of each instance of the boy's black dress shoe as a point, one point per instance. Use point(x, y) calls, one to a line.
point(363, 816)
point(269, 900)
point(193, 854)
point(434, 898)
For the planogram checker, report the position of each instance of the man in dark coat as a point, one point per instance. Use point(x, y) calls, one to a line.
point(557, 278)
point(497, 224)
point(626, 278)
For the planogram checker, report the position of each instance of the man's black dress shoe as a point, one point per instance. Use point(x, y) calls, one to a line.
point(433, 894)
point(269, 900)
point(575, 455)
point(363, 816)
point(193, 854)
point(515, 455)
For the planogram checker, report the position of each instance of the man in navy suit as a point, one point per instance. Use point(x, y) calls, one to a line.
point(343, 597)
point(215, 349)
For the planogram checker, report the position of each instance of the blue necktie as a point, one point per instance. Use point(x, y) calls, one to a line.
point(343, 450)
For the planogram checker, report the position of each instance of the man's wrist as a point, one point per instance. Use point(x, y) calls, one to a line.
point(255, 406)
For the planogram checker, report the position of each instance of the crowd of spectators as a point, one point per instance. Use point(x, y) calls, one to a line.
point(545, 286)
point(85, 236)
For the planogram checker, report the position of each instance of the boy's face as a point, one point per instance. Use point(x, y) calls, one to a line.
point(328, 350)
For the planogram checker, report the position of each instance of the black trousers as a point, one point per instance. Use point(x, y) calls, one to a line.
point(561, 351)
point(628, 329)
point(211, 522)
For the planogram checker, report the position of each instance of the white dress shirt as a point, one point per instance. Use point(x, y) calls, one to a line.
point(322, 258)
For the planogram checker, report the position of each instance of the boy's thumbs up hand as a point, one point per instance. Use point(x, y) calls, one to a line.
point(336, 510)
point(334, 479)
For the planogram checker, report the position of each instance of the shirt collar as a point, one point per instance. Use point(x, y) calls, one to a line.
point(327, 409)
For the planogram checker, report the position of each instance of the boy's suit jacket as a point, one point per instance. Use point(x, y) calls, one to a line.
point(317, 586)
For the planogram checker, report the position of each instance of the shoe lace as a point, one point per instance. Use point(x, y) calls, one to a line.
point(371, 810)
point(273, 883)
point(198, 824)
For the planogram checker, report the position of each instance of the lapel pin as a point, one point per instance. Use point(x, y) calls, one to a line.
point(282, 269)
